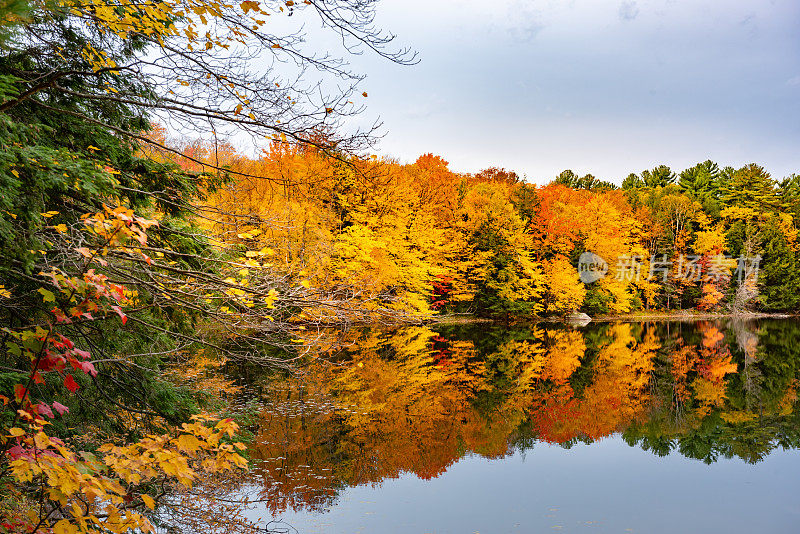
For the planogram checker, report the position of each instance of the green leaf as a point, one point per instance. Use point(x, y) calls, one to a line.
point(47, 296)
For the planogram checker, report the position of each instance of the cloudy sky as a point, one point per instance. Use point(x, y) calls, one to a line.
point(604, 86)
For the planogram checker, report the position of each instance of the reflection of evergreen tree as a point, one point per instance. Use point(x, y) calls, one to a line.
point(648, 438)
point(775, 362)
point(704, 443)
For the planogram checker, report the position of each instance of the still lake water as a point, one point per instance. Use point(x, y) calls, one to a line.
point(644, 427)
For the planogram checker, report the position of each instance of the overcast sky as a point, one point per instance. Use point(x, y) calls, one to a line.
point(605, 86)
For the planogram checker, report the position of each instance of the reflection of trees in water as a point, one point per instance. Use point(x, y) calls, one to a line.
point(417, 399)
point(738, 383)
point(747, 342)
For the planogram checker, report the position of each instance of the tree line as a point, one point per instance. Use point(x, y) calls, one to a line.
point(424, 239)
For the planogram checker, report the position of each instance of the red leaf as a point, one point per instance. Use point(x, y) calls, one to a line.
point(119, 290)
point(15, 452)
point(38, 378)
point(88, 368)
point(44, 409)
point(60, 316)
point(19, 392)
point(120, 313)
point(60, 408)
point(83, 353)
point(52, 362)
point(70, 384)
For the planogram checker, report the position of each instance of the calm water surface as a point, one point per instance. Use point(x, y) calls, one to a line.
point(649, 428)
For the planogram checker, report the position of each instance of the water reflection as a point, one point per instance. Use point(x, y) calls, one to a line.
point(417, 399)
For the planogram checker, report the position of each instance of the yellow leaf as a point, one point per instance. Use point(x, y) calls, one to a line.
point(249, 5)
point(305, 283)
point(49, 214)
point(41, 440)
point(16, 432)
point(148, 501)
point(65, 527)
point(188, 443)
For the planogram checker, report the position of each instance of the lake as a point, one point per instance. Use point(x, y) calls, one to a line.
point(613, 427)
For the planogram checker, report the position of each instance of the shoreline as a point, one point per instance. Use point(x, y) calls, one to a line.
point(637, 317)
point(690, 316)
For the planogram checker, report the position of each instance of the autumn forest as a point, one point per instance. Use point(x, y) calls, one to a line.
point(423, 239)
point(197, 241)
